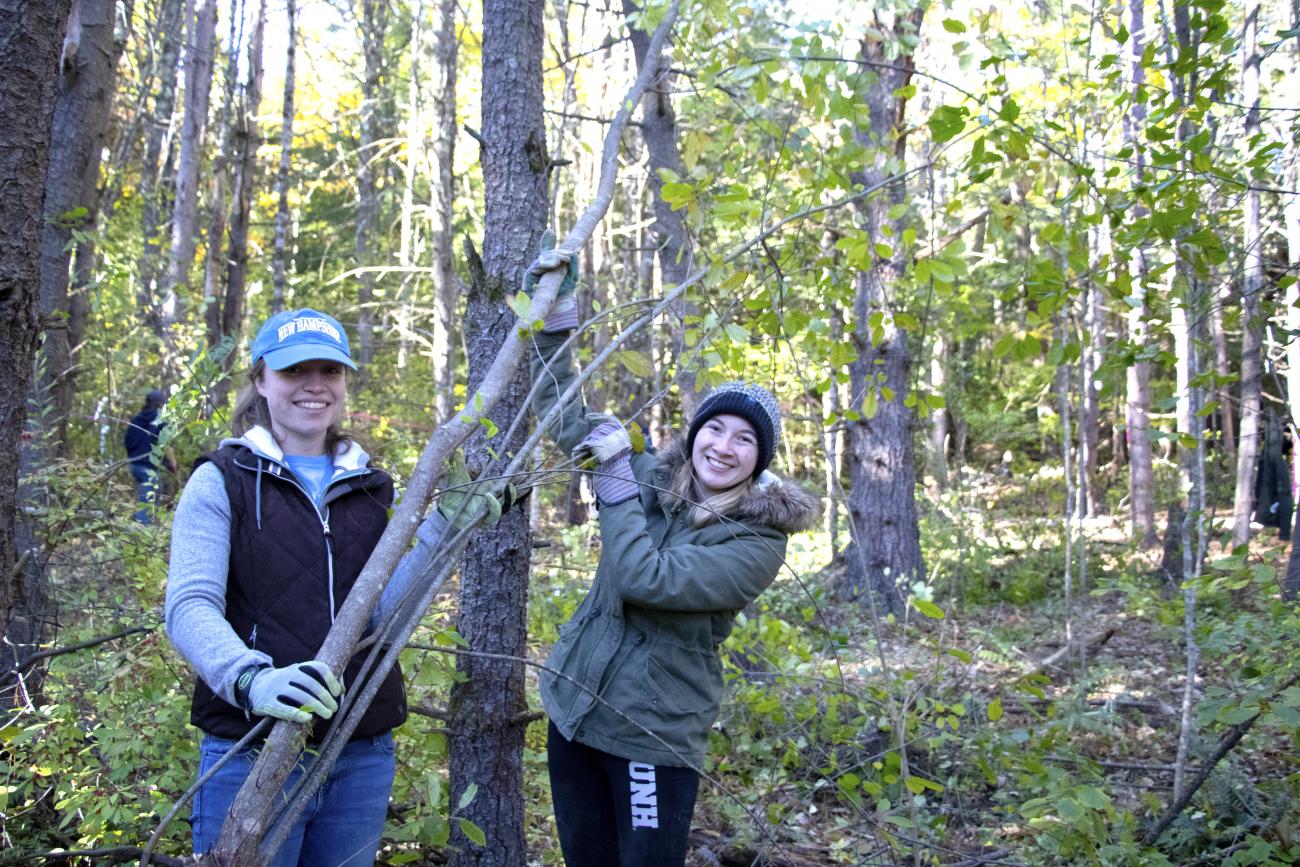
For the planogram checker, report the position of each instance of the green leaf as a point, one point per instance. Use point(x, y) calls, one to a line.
point(522, 305)
point(737, 333)
point(467, 797)
point(1009, 111)
point(472, 831)
point(1092, 797)
point(638, 363)
point(917, 785)
point(995, 709)
point(928, 608)
point(947, 122)
point(952, 25)
point(1069, 809)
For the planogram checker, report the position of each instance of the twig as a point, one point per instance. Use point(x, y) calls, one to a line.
point(1095, 641)
point(70, 648)
point(113, 854)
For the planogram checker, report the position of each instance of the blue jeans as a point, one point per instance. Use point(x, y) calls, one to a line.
point(342, 823)
point(146, 486)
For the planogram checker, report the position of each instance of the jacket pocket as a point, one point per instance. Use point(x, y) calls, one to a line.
point(683, 682)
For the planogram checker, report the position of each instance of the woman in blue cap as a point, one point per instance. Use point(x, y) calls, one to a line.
point(270, 533)
point(689, 536)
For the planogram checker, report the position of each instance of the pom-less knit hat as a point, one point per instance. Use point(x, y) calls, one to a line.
point(754, 404)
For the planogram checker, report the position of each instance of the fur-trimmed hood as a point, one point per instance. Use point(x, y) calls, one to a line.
point(773, 501)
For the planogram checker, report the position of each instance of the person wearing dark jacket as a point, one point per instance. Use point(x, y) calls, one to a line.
point(689, 536)
point(271, 532)
point(139, 439)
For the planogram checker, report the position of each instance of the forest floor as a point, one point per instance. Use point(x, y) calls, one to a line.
point(1105, 716)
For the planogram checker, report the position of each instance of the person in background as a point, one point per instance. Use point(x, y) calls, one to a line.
point(141, 435)
point(689, 536)
point(270, 534)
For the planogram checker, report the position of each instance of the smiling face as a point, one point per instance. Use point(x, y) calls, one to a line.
point(304, 399)
point(725, 453)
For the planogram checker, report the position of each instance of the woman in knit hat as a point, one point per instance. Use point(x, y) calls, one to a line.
point(690, 535)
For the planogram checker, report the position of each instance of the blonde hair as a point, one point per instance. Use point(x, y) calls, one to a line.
point(251, 411)
point(705, 510)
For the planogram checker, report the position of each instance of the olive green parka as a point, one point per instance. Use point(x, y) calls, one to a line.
point(636, 671)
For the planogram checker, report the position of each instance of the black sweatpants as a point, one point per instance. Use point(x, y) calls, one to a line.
point(612, 811)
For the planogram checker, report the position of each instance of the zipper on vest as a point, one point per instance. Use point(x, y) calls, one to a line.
point(329, 558)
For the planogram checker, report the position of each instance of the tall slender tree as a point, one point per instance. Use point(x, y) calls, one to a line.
point(247, 139)
point(279, 249)
point(1137, 406)
point(201, 27)
point(442, 153)
point(1252, 284)
point(374, 27)
point(156, 181)
point(659, 130)
point(885, 558)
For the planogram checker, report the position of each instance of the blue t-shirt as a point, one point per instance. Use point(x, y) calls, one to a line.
point(314, 471)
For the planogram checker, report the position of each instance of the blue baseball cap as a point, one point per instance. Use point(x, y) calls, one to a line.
point(294, 336)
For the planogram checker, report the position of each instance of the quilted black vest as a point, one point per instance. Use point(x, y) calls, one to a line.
point(278, 593)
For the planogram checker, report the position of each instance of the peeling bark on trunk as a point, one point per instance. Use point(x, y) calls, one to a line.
point(485, 731)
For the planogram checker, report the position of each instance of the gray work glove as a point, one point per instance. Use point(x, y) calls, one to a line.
point(607, 438)
point(611, 447)
point(563, 315)
point(459, 505)
point(295, 692)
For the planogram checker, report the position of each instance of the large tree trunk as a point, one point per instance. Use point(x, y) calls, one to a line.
point(88, 67)
point(1138, 395)
point(279, 250)
point(885, 558)
point(29, 66)
point(486, 729)
point(201, 19)
point(87, 81)
point(1252, 325)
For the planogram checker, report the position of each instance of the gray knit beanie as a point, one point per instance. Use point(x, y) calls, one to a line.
point(751, 402)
